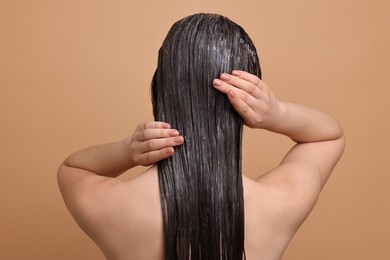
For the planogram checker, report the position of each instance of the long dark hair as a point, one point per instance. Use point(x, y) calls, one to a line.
point(201, 184)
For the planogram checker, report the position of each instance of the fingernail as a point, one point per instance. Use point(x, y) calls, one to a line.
point(166, 125)
point(169, 150)
point(236, 73)
point(179, 139)
point(217, 82)
point(225, 76)
point(173, 133)
point(232, 94)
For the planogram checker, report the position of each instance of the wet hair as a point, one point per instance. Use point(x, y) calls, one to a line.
point(201, 184)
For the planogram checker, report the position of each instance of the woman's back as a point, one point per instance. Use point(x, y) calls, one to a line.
point(124, 218)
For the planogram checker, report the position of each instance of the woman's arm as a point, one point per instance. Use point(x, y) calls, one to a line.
point(86, 180)
point(297, 181)
point(259, 108)
point(319, 137)
point(81, 174)
point(151, 142)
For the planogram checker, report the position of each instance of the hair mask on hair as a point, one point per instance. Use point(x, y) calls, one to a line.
point(201, 184)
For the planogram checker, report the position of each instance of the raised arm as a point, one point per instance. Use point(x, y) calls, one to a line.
point(255, 102)
point(151, 142)
point(297, 181)
point(287, 193)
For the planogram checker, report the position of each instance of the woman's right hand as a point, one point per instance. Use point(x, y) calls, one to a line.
point(251, 98)
point(152, 142)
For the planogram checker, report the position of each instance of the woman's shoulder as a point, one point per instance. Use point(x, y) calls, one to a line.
point(267, 228)
point(127, 213)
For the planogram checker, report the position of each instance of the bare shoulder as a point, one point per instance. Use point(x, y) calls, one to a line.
point(275, 205)
point(278, 202)
point(273, 214)
point(298, 180)
point(268, 227)
point(123, 217)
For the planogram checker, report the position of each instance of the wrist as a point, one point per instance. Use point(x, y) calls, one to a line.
point(304, 124)
point(276, 116)
point(126, 143)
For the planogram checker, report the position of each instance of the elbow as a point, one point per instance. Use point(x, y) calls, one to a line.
point(341, 139)
point(339, 147)
point(342, 143)
point(61, 175)
point(65, 177)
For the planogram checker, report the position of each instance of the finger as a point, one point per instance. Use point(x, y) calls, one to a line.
point(225, 88)
point(155, 156)
point(157, 144)
point(252, 78)
point(153, 124)
point(155, 133)
point(242, 108)
point(243, 95)
point(249, 87)
point(247, 76)
point(222, 86)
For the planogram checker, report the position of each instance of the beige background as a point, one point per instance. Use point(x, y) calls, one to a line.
point(77, 73)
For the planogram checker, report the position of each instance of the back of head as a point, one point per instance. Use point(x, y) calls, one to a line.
point(201, 184)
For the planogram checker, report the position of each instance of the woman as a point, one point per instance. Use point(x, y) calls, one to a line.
point(195, 203)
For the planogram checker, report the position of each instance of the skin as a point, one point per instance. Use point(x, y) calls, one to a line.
point(124, 217)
